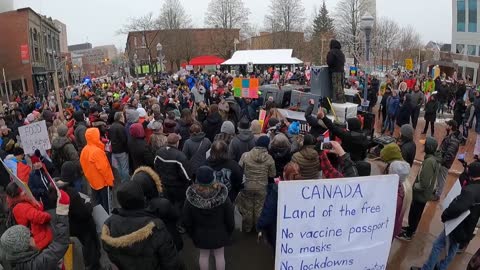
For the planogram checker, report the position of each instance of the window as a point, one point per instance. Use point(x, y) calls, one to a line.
point(461, 16)
point(460, 49)
point(472, 16)
point(35, 34)
point(472, 50)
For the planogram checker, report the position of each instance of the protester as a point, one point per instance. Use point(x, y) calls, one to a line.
point(430, 115)
point(119, 141)
point(213, 124)
point(137, 146)
point(336, 63)
point(132, 237)
point(16, 242)
point(307, 158)
point(183, 126)
point(80, 129)
point(243, 142)
point(196, 147)
point(63, 149)
point(208, 217)
point(81, 222)
point(448, 150)
point(416, 102)
point(468, 200)
point(227, 132)
point(156, 203)
point(406, 143)
point(39, 181)
point(259, 169)
point(423, 187)
point(96, 167)
point(280, 150)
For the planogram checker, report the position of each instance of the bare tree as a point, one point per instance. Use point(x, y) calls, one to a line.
point(142, 23)
point(288, 14)
point(409, 43)
point(227, 14)
point(386, 36)
point(347, 22)
point(173, 16)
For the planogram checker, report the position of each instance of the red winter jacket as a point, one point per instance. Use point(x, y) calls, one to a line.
point(30, 214)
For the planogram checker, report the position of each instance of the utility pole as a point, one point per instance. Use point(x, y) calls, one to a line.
point(6, 89)
point(57, 88)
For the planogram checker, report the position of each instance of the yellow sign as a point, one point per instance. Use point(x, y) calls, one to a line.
point(409, 64)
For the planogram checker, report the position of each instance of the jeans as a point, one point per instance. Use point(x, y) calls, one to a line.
point(389, 124)
point(439, 244)
point(120, 162)
point(414, 216)
point(441, 178)
point(101, 197)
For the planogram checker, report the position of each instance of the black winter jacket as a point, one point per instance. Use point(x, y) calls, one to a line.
point(449, 148)
point(208, 216)
point(281, 156)
point(335, 57)
point(353, 142)
point(212, 125)
point(79, 132)
point(118, 137)
point(195, 150)
point(409, 150)
point(469, 199)
point(172, 166)
point(315, 128)
point(134, 239)
point(229, 173)
point(137, 148)
point(242, 143)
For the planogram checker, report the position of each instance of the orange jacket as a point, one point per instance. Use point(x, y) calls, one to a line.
point(94, 161)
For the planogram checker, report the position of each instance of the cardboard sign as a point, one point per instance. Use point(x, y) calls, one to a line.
point(450, 225)
point(336, 223)
point(34, 136)
point(246, 88)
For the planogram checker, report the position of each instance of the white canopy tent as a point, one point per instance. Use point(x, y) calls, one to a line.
point(263, 57)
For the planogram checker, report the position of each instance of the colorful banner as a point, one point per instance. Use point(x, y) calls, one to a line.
point(245, 88)
point(24, 53)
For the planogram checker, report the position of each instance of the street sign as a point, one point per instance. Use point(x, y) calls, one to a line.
point(409, 64)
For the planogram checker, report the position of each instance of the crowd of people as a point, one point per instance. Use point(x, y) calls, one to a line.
point(178, 156)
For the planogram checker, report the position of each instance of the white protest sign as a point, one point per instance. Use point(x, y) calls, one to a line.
point(450, 225)
point(336, 223)
point(34, 136)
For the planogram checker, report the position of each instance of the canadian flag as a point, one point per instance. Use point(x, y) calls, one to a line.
point(326, 136)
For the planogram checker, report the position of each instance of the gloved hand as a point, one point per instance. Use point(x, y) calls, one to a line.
point(63, 203)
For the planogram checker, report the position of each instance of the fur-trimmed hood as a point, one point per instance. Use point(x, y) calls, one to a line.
point(207, 197)
point(127, 240)
point(154, 177)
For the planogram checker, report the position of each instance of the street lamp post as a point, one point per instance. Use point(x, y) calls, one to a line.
point(135, 57)
point(366, 24)
point(160, 57)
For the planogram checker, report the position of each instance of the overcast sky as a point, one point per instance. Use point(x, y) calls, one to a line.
point(96, 21)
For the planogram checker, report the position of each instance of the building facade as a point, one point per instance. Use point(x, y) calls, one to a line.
point(177, 46)
point(30, 51)
point(466, 36)
point(63, 35)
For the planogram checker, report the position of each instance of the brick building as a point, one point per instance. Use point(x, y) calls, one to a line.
point(178, 46)
point(29, 45)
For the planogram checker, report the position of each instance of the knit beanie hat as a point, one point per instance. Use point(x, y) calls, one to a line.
point(255, 127)
point(78, 116)
point(69, 172)
point(391, 152)
point(205, 175)
point(263, 141)
point(402, 168)
point(228, 128)
point(309, 140)
point(407, 131)
point(130, 196)
point(474, 169)
point(62, 130)
point(137, 131)
point(132, 116)
point(16, 239)
point(244, 124)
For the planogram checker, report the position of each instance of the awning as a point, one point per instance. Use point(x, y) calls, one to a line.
point(263, 57)
point(206, 60)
